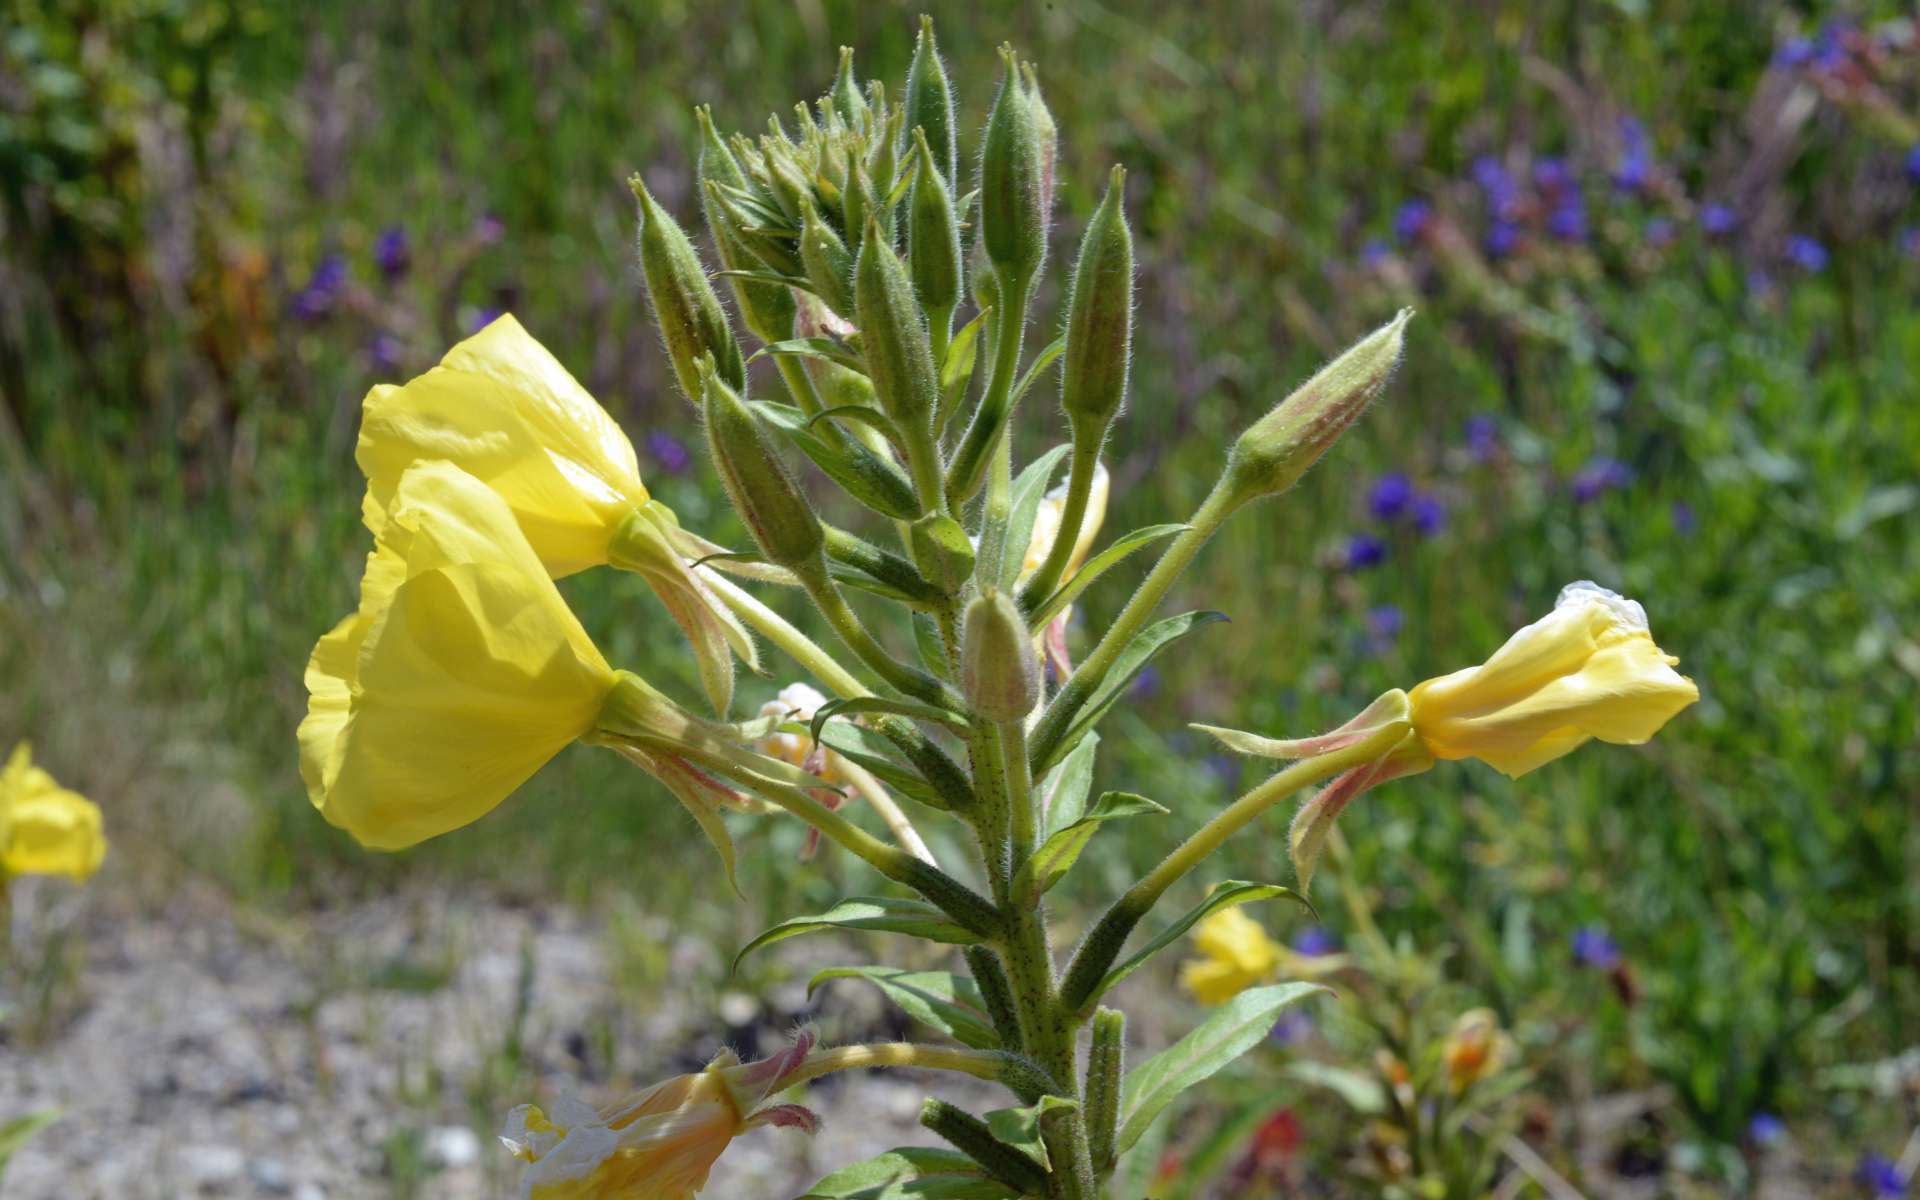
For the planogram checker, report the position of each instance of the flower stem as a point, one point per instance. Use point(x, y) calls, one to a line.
point(1086, 461)
point(875, 794)
point(981, 1064)
point(778, 630)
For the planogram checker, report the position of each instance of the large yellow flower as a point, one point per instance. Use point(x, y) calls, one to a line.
point(504, 410)
point(1238, 954)
point(45, 829)
point(658, 1145)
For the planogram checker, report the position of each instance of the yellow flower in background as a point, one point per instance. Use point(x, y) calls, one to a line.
point(1046, 526)
point(1588, 669)
point(1475, 1047)
point(461, 674)
point(502, 408)
point(45, 829)
point(658, 1145)
point(1238, 955)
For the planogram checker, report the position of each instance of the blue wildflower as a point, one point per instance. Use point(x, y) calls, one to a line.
point(1880, 1174)
point(1314, 941)
point(1598, 477)
point(317, 297)
point(1502, 239)
point(1759, 283)
point(1593, 946)
point(1807, 254)
point(1717, 220)
point(1568, 219)
point(1685, 521)
point(1913, 164)
point(1796, 53)
point(1553, 177)
point(1429, 513)
point(383, 352)
point(1390, 496)
point(1373, 253)
point(1412, 222)
point(1483, 436)
point(1384, 622)
point(1636, 156)
point(1765, 1129)
point(1145, 684)
point(481, 318)
point(1497, 185)
point(1363, 550)
point(392, 254)
point(1910, 240)
point(669, 451)
point(1830, 51)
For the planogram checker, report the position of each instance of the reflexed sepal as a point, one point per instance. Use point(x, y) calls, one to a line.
point(1307, 836)
point(644, 544)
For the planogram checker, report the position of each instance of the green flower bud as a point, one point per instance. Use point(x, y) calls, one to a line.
point(786, 179)
point(892, 334)
point(929, 104)
point(1093, 372)
point(828, 262)
point(1273, 455)
point(845, 93)
point(858, 203)
point(1049, 137)
point(757, 480)
point(883, 161)
point(933, 236)
point(689, 315)
point(767, 308)
point(998, 671)
point(775, 249)
point(1013, 180)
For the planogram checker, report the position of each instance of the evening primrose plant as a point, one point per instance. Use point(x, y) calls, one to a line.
point(890, 293)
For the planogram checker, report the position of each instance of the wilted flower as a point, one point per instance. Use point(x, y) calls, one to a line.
point(1238, 955)
point(1475, 1048)
point(798, 702)
point(392, 254)
point(1807, 254)
point(45, 829)
point(1594, 947)
point(1363, 550)
point(660, 1144)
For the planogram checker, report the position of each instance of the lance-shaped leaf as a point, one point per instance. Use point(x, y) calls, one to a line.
point(1226, 895)
point(1022, 507)
point(1099, 565)
point(1048, 355)
point(1234, 1028)
point(947, 1002)
point(956, 370)
point(1062, 792)
point(831, 349)
point(911, 1173)
point(887, 914)
point(857, 705)
point(867, 476)
point(927, 776)
point(1145, 644)
point(1051, 862)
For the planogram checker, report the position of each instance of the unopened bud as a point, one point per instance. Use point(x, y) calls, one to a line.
point(857, 203)
point(929, 103)
point(933, 236)
point(1273, 455)
point(892, 334)
point(689, 315)
point(757, 480)
point(1049, 138)
point(829, 263)
point(845, 93)
point(767, 308)
point(1013, 167)
point(775, 249)
point(997, 667)
point(1093, 372)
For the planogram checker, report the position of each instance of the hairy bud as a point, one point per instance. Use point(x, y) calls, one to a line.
point(1273, 455)
point(893, 336)
point(929, 104)
point(828, 261)
point(689, 315)
point(845, 93)
point(933, 236)
point(763, 490)
point(1013, 180)
point(767, 308)
point(1093, 373)
point(997, 667)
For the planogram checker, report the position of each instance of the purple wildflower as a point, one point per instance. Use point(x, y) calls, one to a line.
point(1497, 185)
point(1830, 50)
point(383, 352)
point(1685, 521)
point(1717, 219)
point(1483, 436)
point(1384, 622)
point(1553, 177)
point(1765, 1129)
point(1880, 1174)
point(1373, 253)
point(1796, 53)
point(1429, 513)
point(316, 298)
point(1913, 164)
point(1412, 221)
point(1910, 240)
point(1594, 947)
point(1598, 477)
point(1568, 219)
point(1659, 231)
point(489, 229)
point(1314, 941)
point(1363, 550)
point(1503, 237)
point(392, 254)
point(1390, 496)
point(669, 451)
point(1636, 156)
point(1807, 254)
point(1759, 283)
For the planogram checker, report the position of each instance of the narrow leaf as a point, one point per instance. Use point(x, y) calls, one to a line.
point(911, 1173)
point(1145, 644)
point(1041, 362)
point(875, 753)
point(1234, 1028)
point(887, 914)
point(1099, 565)
point(947, 1002)
point(865, 475)
point(856, 705)
point(1050, 863)
point(1063, 791)
point(933, 651)
point(863, 413)
point(817, 347)
point(1022, 507)
point(956, 370)
point(1226, 895)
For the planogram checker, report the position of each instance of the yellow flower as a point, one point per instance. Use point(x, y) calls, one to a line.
point(504, 410)
point(1238, 955)
point(45, 829)
point(1588, 669)
point(461, 674)
point(1475, 1048)
point(658, 1145)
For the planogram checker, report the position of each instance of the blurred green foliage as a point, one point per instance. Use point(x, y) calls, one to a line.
point(193, 192)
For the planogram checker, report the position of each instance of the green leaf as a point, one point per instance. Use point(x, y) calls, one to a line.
point(831, 349)
point(774, 277)
point(856, 705)
point(1020, 1128)
point(1023, 505)
point(948, 1002)
point(1062, 792)
point(1362, 1093)
point(1145, 644)
point(854, 577)
point(956, 369)
point(1056, 856)
point(1225, 895)
point(911, 1173)
point(1099, 565)
point(875, 753)
point(865, 414)
point(20, 1130)
point(867, 476)
point(926, 639)
point(1041, 362)
point(1234, 1028)
point(886, 914)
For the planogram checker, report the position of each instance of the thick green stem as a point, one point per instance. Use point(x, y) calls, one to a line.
point(989, 423)
point(1105, 1074)
point(1088, 676)
point(1086, 461)
point(910, 680)
point(1104, 941)
point(781, 632)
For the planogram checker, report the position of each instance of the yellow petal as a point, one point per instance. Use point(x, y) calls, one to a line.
point(45, 829)
point(504, 410)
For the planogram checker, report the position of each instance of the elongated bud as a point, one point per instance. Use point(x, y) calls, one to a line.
point(1105, 1070)
point(929, 103)
point(1013, 218)
point(689, 315)
point(767, 308)
point(1093, 373)
point(1273, 455)
point(845, 94)
point(997, 667)
point(858, 203)
point(883, 164)
point(970, 1135)
point(785, 179)
point(764, 492)
point(829, 264)
point(899, 358)
point(1049, 138)
point(933, 236)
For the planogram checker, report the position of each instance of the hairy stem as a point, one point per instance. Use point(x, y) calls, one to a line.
point(1086, 461)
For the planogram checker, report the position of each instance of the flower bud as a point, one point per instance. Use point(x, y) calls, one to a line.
point(997, 667)
point(858, 203)
point(1013, 186)
point(829, 264)
point(933, 236)
point(757, 480)
point(767, 308)
point(1093, 373)
point(929, 103)
point(893, 335)
point(689, 315)
point(777, 250)
point(1271, 456)
point(845, 93)
point(1049, 138)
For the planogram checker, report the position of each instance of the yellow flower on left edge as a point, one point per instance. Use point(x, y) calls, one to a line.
point(45, 829)
point(503, 409)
